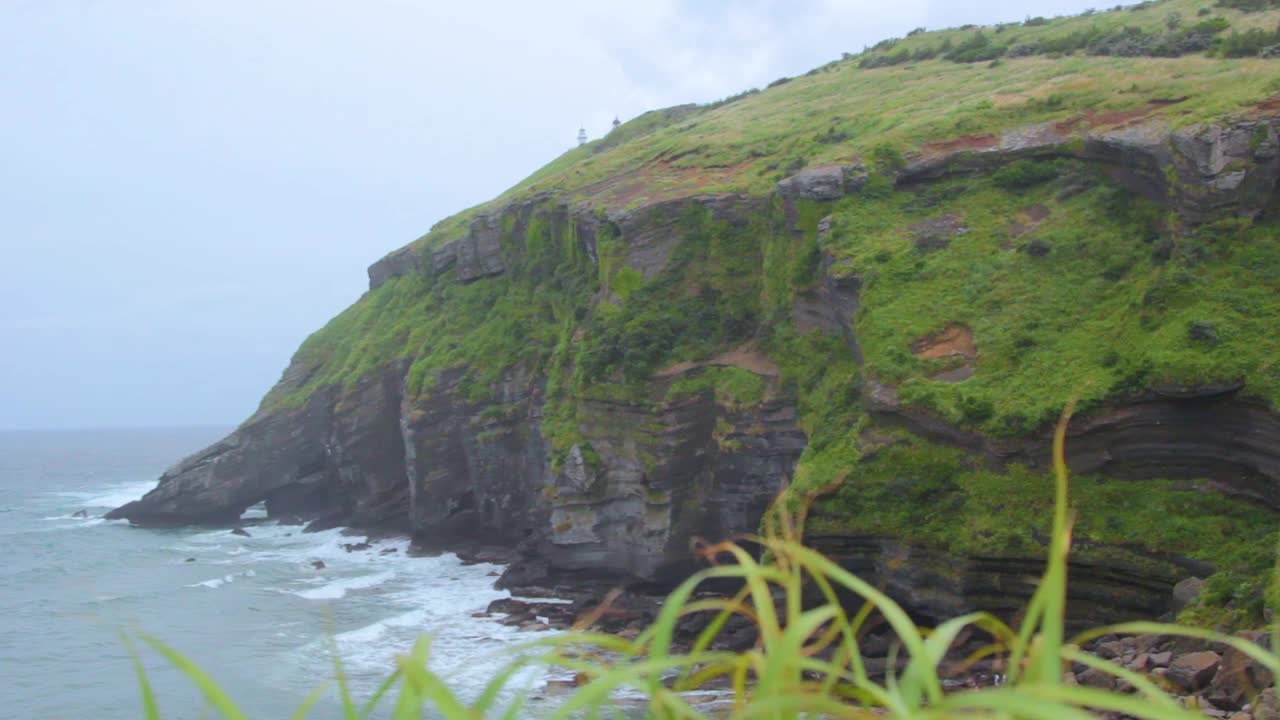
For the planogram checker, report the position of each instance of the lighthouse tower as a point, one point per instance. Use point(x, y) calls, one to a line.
point(582, 136)
point(616, 121)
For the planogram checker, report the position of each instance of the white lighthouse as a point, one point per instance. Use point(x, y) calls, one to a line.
point(582, 136)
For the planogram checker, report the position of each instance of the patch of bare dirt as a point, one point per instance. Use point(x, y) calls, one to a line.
point(748, 357)
point(1269, 104)
point(975, 141)
point(954, 339)
point(1028, 219)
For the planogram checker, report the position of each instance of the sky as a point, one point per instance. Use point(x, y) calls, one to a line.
point(188, 189)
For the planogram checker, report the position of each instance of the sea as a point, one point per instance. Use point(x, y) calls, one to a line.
point(253, 612)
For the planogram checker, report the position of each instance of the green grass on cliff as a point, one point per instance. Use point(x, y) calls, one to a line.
point(1069, 285)
point(944, 498)
point(1115, 303)
point(841, 111)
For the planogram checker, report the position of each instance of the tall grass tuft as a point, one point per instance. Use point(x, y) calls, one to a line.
point(806, 661)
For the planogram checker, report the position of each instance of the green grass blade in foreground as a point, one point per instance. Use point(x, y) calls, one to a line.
point(378, 694)
point(310, 700)
point(1046, 665)
point(897, 618)
point(1136, 679)
point(410, 702)
point(1061, 699)
point(214, 694)
point(349, 711)
point(150, 709)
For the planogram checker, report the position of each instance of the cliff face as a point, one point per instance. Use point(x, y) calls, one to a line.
point(594, 378)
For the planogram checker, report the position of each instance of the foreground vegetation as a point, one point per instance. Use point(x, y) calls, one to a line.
point(806, 663)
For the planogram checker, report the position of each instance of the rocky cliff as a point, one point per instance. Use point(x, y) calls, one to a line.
point(653, 337)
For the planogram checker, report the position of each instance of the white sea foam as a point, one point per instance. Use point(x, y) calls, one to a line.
point(109, 496)
point(339, 588)
point(220, 581)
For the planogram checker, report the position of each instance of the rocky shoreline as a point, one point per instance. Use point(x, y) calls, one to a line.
point(1218, 680)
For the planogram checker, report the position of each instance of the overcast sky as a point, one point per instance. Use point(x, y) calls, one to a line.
point(188, 189)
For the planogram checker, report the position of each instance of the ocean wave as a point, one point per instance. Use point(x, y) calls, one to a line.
point(220, 581)
point(108, 496)
point(339, 588)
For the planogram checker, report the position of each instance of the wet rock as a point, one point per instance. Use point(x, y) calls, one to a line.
point(507, 606)
point(318, 564)
point(389, 551)
point(356, 547)
point(80, 514)
point(515, 620)
point(241, 532)
point(1192, 672)
point(189, 560)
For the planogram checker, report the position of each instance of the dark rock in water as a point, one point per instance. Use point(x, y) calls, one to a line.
point(389, 551)
point(317, 564)
point(490, 555)
point(290, 520)
point(241, 532)
point(80, 514)
point(515, 620)
point(189, 560)
point(508, 606)
point(356, 547)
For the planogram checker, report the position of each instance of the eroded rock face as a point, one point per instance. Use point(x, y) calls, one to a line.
point(1198, 170)
point(696, 469)
point(334, 458)
point(824, 182)
point(650, 476)
point(936, 585)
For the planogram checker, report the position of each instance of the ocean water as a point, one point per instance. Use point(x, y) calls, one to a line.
point(253, 612)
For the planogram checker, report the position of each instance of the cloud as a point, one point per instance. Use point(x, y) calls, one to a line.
point(229, 169)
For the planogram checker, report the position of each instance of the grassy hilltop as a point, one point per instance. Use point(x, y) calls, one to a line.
point(1051, 277)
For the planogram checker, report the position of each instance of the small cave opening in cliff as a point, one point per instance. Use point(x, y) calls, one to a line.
point(256, 512)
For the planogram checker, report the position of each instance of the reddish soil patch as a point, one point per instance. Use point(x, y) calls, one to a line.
point(954, 339)
point(1036, 212)
point(1271, 103)
point(964, 142)
point(747, 357)
point(1028, 219)
point(1098, 118)
point(659, 180)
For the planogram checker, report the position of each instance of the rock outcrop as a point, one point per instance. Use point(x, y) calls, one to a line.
point(646, 475)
